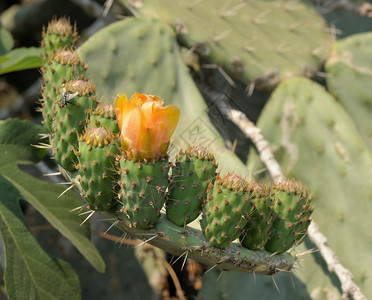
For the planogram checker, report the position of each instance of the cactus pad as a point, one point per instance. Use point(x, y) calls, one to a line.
point(260, 42)
point(97, 173)
point(143, 192)
point(292, 208)
point(63, 66)
point(104, 116)
point(75, 103)
point(257, 231)
point(226, 209)
point(349, 69)
point(193, 171)
point(57, 35)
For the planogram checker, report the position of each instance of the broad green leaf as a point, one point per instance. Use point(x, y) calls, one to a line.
point(20, 59)
point(15, 147)
point(142, 55)
point(6, 40)
point(23, 134)
point(30, 273)
point(3, 59)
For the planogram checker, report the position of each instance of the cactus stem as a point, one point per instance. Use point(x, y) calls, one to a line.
point(176, 242)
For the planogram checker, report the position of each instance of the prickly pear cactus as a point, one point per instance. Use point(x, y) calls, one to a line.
point(292, 208)
point(226, 209)
point(317, 142)
point(257, 230)
point(349, 76)
point(104, 116)
point(258, 42)
point(143, 190)
point(192, 172)
point(138, 186)
point(74, 105)
point(63, 66)
point(97, 174)
point(59, 34)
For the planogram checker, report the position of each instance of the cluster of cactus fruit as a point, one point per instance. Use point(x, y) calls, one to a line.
point(87, 142)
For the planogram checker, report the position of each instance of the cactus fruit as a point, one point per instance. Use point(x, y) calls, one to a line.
point(63, 66)
point(292, 208)
point(75, 103)
point(97, 173)
point(256, 233)
point(258, 42)
point(193, 171)
point(104, 116)
point(57, 35)
point(226, 210)
point(143, 192)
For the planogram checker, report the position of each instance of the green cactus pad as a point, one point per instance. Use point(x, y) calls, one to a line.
point(63, 66)
point(292, 208)
point(104, 116)
point(97, 174)
point(193, 171)
point(75, 103)
point(57, 35)
point(143, 192)
point(226, 209)
point(317, 142)
point(349, 77)
point(259, 42)
point(257, 231)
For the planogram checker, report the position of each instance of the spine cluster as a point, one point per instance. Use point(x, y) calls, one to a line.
point(86, 142)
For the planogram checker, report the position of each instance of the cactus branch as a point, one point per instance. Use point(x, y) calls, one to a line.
point(348, 286)
point(178, 241)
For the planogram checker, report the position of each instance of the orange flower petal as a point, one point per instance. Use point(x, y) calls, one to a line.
point(146, 125)
point(119, 103)
point(129, 121)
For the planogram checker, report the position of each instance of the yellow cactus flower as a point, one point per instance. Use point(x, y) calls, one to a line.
point(146, 125)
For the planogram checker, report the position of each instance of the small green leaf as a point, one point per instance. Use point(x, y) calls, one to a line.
point(20, 59)
point(30, 272)
point(6, 40)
